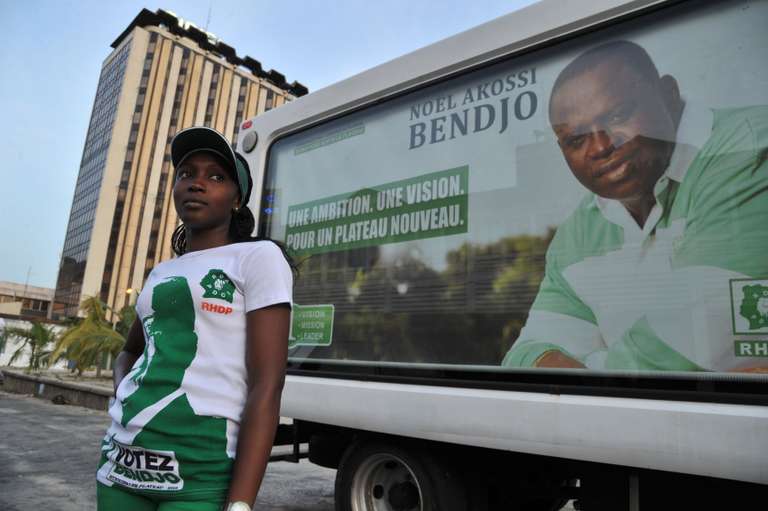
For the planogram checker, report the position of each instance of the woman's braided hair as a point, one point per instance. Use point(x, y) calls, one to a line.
point(241, 226)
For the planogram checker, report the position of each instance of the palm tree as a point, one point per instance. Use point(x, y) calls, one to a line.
point(126, 316)
point(37, 338)
point(92, 338)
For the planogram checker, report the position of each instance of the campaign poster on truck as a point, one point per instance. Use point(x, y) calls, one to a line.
point(601, 205)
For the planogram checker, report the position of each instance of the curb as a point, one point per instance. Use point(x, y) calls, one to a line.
point(58, 391)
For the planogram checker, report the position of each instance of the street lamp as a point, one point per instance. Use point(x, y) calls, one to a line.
point(130, 291)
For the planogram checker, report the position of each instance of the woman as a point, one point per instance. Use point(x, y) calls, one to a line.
point(198, 382)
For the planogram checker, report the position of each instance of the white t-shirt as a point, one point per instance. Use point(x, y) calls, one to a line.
point(193, 310)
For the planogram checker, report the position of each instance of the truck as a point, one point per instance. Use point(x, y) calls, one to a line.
point(532, 263)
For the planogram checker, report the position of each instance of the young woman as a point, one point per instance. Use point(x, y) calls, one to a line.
point(198, 382)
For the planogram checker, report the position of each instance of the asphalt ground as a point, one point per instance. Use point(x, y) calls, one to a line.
point(48, 456)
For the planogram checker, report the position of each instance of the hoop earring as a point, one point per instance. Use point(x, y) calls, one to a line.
point(179, 239)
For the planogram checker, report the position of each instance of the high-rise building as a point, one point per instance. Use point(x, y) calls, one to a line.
point(164, 75)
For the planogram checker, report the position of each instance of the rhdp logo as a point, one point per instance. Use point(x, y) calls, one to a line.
point(754, 306)
point(217, 285)
point(749, 306)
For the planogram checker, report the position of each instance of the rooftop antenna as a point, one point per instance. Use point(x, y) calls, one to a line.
point(26, 282)
point(208, 19)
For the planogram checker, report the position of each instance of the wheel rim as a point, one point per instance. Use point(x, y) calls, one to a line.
point(384, 482)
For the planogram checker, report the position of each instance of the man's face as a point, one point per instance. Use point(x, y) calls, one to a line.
point(616, 129)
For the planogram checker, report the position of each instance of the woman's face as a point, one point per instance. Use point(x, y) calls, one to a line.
point(204, 193)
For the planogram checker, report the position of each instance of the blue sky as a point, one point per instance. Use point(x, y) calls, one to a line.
point(53, 50)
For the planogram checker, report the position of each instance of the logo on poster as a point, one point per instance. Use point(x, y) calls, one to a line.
point(749, 303)
point(754, 306)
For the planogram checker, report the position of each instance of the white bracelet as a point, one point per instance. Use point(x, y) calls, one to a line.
point(238, 506)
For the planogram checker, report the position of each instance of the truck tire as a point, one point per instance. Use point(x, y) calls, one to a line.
point(382, 476)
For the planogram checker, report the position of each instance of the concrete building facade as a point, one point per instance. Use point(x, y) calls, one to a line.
point(163, 75)
point(25, 300)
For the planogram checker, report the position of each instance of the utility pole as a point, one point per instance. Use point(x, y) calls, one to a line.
point(26, 284)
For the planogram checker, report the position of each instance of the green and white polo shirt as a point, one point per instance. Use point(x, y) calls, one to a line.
point(689, 290)
point(176, 414)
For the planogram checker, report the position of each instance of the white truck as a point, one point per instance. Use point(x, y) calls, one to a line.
point(533, 262)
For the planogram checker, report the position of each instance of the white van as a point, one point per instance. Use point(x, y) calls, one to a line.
point(533, 262)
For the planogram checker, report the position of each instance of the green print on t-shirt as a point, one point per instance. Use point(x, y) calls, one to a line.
point(199, 442)
point(171, 330)
point(218, 285)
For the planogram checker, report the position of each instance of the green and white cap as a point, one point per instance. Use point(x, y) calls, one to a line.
point(200, 138)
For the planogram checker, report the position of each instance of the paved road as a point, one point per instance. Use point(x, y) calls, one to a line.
point(48, 456)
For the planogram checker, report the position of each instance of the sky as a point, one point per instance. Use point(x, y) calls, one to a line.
point(52, 54)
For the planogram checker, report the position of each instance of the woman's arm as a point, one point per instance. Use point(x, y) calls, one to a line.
point(132, 350)
point(265, 358)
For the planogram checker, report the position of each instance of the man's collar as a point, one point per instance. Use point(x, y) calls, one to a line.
point(692, 133)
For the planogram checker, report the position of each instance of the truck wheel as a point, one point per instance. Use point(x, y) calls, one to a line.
point(380, 476)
